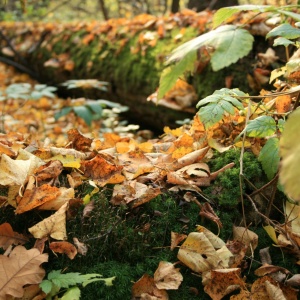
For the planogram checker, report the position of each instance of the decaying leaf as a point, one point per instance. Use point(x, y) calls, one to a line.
point(20, 268)
point(222, 282)
point(167, 276)
point(145, 289)
point(176, 238)
point(55, 226)
point(64, 248)
point(247, 237)
point(208, 213)
point(9, 237)
point(81, 247)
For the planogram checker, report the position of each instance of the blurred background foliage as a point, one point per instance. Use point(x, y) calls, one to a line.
point(68, 10)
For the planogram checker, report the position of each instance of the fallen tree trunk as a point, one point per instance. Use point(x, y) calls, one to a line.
point(127, 54)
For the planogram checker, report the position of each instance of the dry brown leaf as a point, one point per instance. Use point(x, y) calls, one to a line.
point(88, 209)
point(50, 170)
point(20, 268)
point(274, 291)
point(176, 238)
point(208, 213)
point(246, 236)
point(9, 237)
point(64, 248)
point(270, 269)
point(40, 244)
point(78, 141)
point(55, 226)
point(238, 249)
point(167, 276)
point(223, 282)
point(283, 104)
point(145, 288)
point(81, 247)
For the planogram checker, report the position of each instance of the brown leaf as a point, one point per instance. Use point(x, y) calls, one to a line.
point(145, 288)
point(88, 209)
point(55, 226)
point(81, 247)
point(208, 212)
point(49, 171)
point(223, 282)
point(176, 238)
point(20, 268)
point(35, 197)
point(79, 142)
point(9, 237)
point(40, 244)
point(270, 269)
point(167, 276)
point(64, 248)
point(246, 236)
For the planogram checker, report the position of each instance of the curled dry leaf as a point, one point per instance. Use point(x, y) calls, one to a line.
point(55, 226)
point(20, 268)
point(9, 237)
point(270, 269)
point(81, 247)
point(79, 142)
point(64, 248)
point(208, 213)
point(176, 238)
point(50, 170)
point(294, 281)
point(145, 288)
point(167, 276)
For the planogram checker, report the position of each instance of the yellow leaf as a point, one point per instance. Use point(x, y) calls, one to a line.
point(68, 161)
point(271, 232)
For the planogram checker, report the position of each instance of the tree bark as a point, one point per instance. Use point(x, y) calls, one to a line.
point(104, 9)
point(175, 6)
point(200, 5)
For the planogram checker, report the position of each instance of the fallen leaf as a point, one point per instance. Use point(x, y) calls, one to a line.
point(64, 248)
point(55, 226)
point(167, 276)
point(247, 237)
point(79, 142)
point(9, 237)
point(176, 239)
point(20, 268)
point(81, 247)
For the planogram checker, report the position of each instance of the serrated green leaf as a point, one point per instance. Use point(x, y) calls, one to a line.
point(46, 286)
point(229, 41)
point(262, 126)
point(64, 111)
point(210, 114)
point(228, 107)
point(107, 281)
point(291, 14)
point(224, 13)
point(170, 75)
point(269, 157)
point(289, 150)
point(281, 41)
point(284, 30)
point(230, 45)
point(64, 280)
point(84, 113)
point(72, 294)
point(214, 98)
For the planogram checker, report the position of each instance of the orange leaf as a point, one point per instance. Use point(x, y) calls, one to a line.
point(283, 103)
point(9, 237)
point(79, 142)
point(64, 248)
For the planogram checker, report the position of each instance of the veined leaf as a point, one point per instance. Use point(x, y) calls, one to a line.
point(280, 125)
point(289, 150)
point(291, 14)
point(269, 157)
point(170, 75)
point(224, 13)
point(281, 41)
point(229, 41)
point(284, 30)
point(84, 113)
point(211, 114)
point(262, 126)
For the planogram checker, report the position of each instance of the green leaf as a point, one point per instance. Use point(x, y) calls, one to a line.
point(281, 41)
point(72, 294)
point(261, 127)
point(64, 111)
point(289, 150)
point(291, 14)
point(64, 280)
point(284, 30)
point(224, 13)
point(229, 41)
point(46, 286)
point(211, 114)
point(280, 125)
point(107, 281)
point(170, 75)
point(84, 113)
point(269, 157)
point(95, 107)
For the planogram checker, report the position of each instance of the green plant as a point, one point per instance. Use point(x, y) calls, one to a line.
point(56, 281)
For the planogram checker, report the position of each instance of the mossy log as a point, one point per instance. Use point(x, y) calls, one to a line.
point(127, 54)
